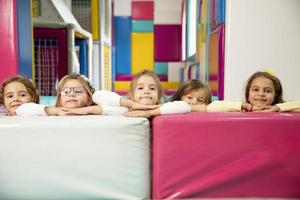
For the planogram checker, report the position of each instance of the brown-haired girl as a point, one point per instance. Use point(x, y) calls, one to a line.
point(16, 91)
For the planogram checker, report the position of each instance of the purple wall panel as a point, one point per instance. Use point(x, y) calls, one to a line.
point(167, 43)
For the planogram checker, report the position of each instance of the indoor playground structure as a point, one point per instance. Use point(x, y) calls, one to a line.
point(221, 155)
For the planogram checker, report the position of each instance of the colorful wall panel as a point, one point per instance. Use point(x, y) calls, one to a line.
point(167, 43)
point(161, 68)
point(174, 69)
point(8, 39)
point(123, 44)
point(82, 55)
point(25, 38)
point(216, 61)
point(122, 7)
point(142, 52)
point(142, 10)
point(142, 26)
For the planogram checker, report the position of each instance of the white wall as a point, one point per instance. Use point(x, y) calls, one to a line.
point(262, 35)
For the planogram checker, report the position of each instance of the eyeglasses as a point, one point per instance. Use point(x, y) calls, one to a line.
point(78, 91)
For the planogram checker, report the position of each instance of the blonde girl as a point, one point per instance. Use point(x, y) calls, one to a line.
point(16, 91)
point(145, 93)
point(74, 96)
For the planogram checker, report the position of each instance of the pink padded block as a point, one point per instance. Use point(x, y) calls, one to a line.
point(211, 155)
point(142, 10)
point(167, 43)
point(8, 40)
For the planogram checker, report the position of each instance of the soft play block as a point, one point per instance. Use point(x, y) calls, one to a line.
point(74, 157)
point(167, 43)
point(142, 10)
point(142, 50)
point(8, 39)
point(226, 155)
point(142, 25)
point(123, 44)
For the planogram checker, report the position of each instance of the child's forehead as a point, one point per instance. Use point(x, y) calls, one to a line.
point(72, 83)
point(261, 80)
point(15, 85)
point(146, 79)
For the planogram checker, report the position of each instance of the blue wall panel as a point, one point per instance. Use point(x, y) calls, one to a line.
point(82, 56)
point(123, 44)
point(24, 37)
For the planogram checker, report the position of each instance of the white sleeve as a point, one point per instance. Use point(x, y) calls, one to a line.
point(289, 106)
point(114, 110)
point(175, 107)
point(31, 109)
point(107, 98)
point(224, 106)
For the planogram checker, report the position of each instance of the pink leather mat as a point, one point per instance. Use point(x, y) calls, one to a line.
point(210, 155)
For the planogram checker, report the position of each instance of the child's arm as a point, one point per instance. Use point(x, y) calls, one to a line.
point(96, 110)
point(225, 106)
point(292, 106)
point(108, 98)
point(31, 109)
point(175, 107)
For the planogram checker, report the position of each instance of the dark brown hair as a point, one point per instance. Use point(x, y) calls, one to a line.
point(191, 86)
point(29, 85)
point(139, 75)
point(276, 84)
point(84, 81)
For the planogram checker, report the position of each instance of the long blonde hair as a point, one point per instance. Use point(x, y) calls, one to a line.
point(83, 81)
point(135, 79)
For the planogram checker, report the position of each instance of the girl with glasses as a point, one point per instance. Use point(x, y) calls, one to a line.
point(74, 97)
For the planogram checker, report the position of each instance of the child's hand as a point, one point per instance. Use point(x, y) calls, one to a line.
point(54, 111)
point(138, 113)
point(198, 108)
point(137, 106)
point(74, 111)
point(270, 109)
point(251, 108)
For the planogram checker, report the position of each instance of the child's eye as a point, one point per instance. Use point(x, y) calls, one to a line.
point(140, 88)
point(152, 88)
point(268, 91)
point(255, 89)
point(9, 96)
point(23, 94)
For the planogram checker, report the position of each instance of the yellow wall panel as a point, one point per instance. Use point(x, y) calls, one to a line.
point(95, 19)
point(142, 52)
point(125, 85)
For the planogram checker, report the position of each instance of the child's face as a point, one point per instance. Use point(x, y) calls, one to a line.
point(196, 97)
point(15, 94)
point(262, 92)
point(146, 91)
point(73, 95)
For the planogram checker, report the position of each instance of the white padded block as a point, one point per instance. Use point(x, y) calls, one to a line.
point(174, 71)
point(122, 7)
point(74, 157)
point(166, 17)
